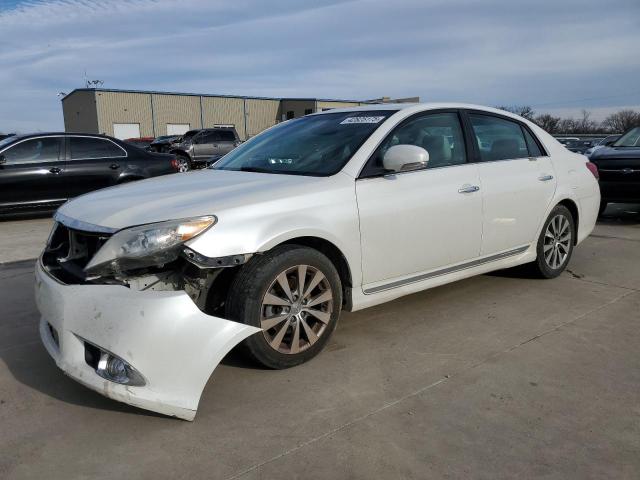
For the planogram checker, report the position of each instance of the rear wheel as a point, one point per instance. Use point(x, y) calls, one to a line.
point(555, 244)
point(294, 295)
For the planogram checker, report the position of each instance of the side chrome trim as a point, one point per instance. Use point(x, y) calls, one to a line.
point(445, 271)
point(80, 225)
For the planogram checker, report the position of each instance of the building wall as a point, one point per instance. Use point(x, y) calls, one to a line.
point(322, 104)
point(175, 109)
point(224, 110)
point(260, 114)
point(298, 107)
point(80, 114)
point(124, 107)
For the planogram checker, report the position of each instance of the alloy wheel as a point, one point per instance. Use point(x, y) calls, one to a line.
point(557, 241)
point(183, 165)
point(296, 309)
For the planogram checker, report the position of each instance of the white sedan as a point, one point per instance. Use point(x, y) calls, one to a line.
point(144, 288)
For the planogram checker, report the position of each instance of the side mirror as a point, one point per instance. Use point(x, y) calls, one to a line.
point(3, 159)
point(404, 158)
point(609, 143)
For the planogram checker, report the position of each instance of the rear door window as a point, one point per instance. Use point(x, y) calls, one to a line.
point(497, 138)
point(86, 148)
point(226, 136)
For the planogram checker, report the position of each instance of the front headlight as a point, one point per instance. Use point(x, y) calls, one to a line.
point(146, 245)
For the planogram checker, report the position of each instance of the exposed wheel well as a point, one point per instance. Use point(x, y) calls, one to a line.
point(573, 208)
point(334, 254)
point(222, 281)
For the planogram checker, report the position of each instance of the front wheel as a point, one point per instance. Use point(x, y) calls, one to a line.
point(555, 244)
point(294, 294)
point(184, 164)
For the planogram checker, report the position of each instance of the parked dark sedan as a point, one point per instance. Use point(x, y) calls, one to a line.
point(41, 171)
point(619, 167)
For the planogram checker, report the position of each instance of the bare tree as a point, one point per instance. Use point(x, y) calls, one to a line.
point(585, 124)
point(548, 122)
point(525, 111)
point(622, 121)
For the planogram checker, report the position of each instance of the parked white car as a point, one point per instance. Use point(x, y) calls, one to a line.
point(144, 288)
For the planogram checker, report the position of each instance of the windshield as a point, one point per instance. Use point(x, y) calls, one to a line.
point(629, 139)
point(317, 145)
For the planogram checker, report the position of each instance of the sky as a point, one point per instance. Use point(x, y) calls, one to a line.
point(559, 56)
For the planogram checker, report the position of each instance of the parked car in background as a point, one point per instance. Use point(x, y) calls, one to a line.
point(577, 146)
point(42, 170)
point(142, 142)
point(565, 140)
point(343, 209)
point(197, 148)
point(164, 143)
point(605, 142)
point(619, 168)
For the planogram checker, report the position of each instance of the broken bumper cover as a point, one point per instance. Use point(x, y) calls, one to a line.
point(162, 334)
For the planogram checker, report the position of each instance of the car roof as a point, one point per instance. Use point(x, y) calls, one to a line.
point(48, 134)
point(419, 107)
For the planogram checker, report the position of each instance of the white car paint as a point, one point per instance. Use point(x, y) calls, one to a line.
point(399, 234)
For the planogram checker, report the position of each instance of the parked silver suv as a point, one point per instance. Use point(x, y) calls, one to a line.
point(200, 146)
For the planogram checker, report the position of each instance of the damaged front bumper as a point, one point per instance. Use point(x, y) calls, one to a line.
point(161, 334)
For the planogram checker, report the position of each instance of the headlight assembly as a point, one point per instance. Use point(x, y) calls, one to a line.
point(146, 245)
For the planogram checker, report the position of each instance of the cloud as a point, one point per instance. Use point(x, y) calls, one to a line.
point(544, 53)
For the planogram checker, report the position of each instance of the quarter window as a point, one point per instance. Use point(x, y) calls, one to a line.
point(33, 151)
point(532, 145)
point(498, 139)
point(226, 136)
point(440, 134)
point(85, 148)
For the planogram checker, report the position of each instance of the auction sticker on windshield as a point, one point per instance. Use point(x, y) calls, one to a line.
point(362, 120)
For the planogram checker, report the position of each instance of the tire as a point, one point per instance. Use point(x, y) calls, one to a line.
point(554, 249)
point(256, 297)
point(184, 163)
point(603, 207)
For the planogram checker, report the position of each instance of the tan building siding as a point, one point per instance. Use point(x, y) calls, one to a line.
point(124, 107)
point(181, 109)
point(80, 113)
point(261, 114)
point(96, 111)
point(322, 104)
point(224, 110)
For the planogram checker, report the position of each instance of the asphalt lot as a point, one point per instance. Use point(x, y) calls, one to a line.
point(497, 376)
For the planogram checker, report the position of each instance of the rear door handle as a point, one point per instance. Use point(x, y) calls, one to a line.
point(114, 166)
point(468, 188)
point(545, 178)
point(55, 170)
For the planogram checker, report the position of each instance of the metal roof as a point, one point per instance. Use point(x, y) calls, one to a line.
point(186, 94)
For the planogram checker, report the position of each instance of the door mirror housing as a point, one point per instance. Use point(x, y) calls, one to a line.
point(609, 143)
point(404, 158)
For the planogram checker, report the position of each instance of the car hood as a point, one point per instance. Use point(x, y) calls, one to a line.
point(184, 195)
point(616, 152)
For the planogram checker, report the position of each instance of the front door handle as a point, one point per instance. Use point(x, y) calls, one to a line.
point(55, 170)
point(545, 178)
point(114, 166)
point(468, 188)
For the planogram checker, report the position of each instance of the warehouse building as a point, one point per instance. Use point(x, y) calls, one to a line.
point(132, 113)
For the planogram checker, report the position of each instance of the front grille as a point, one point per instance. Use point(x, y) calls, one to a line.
point(69, 251)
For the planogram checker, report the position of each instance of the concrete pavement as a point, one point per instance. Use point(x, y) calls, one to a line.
point(496, 376)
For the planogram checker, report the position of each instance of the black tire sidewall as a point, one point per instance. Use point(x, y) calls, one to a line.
point(244, 301)
point(545, 270)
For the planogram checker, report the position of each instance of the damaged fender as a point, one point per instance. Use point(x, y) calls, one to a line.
point(161, 334)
